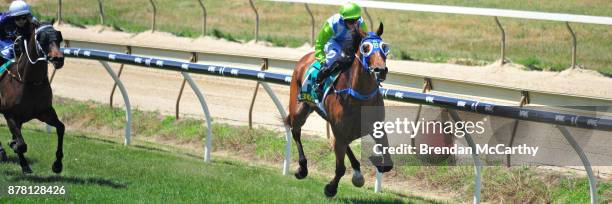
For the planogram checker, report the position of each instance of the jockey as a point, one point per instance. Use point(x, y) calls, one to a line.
point(12, 25)
point(334, 36)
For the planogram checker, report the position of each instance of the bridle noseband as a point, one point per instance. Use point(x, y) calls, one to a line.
point(376, 44)
point(39, 49)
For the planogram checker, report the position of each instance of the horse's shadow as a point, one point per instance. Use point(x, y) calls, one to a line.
point(18, 176)
point(15, 160)
point(381, 200)
point(368, 201)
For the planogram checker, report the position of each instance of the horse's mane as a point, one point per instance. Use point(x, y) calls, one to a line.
point(358, 35)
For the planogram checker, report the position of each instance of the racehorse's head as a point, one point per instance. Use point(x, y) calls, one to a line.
point(49, 40)
point(373, 54)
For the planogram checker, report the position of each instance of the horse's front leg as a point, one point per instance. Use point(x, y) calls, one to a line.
point(339, 150)
point(18, 144)
point(50, 117)
point(3, 157)
point(357, 179)
point(384, 163)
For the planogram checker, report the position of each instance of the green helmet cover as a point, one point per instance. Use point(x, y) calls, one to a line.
point(350, 11)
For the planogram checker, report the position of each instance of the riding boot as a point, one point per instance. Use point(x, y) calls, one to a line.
point(325, 72)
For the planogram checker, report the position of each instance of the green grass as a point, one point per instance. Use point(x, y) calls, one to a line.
point(260, 145)
point(413, 35)
point(97, 170)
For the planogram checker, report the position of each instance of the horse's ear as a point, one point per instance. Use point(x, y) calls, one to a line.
point(380, 30)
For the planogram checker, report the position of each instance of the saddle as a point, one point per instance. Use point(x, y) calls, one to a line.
point(308, 93)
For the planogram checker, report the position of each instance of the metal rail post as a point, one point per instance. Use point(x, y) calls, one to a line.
point(365, 10)
point(524, 101)
point(574, 44)
point(153, 22)
point(101, 10)
point(203, 17)
point(378, 183)
point(503, 41)
point(256, 20)
point(126, 100)
point(477, 164)
point(193, 59)
point(585, 162)
point(264, 67)
point(196, 90)
point(427, 86)
point(128, 50)
point(178, 100)
point(288, 136)
point(312, 25)
point(252, 105)
point(59, 12)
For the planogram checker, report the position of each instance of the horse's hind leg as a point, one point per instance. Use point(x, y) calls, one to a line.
point(357, 179)
point(50, 117)
point(18, 144)
point(339, 150)
point(296, 120)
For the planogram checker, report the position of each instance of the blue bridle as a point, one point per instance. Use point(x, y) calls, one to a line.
point(376, 45)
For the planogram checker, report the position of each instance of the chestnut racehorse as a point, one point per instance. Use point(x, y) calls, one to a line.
point(357, 86)
point(25, 92)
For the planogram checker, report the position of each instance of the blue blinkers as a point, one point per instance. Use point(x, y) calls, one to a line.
point(376, 44)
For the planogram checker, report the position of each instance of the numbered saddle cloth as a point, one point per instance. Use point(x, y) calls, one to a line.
point(5, 66)
point(307, 91)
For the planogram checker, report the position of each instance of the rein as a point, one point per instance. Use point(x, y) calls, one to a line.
point(17, 76)
point(38, 47)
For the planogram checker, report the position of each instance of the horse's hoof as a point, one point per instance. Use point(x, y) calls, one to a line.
point(26, 169)
point(57, 167)
point(3, 157)
point(301, 173)
point(330, 191)
point(358, 180)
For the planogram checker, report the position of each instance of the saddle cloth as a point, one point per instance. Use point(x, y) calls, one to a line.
point(308, 92)
point(5, 66)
